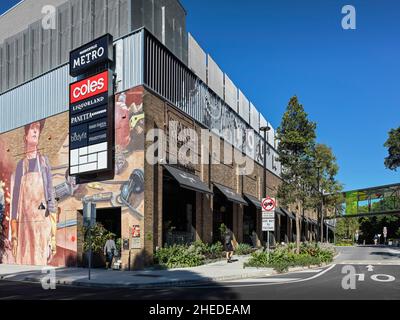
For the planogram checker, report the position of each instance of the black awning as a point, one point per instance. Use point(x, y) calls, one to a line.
point(314, 221)
point(230, 194)
point(253, 200)
point(187, 180)
point(280, 212)
point(288, 213)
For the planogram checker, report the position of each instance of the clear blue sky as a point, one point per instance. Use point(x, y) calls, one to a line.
point(347, 80)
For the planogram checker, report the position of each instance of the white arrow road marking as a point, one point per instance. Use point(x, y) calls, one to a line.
point(388, 278)
point(370, 268)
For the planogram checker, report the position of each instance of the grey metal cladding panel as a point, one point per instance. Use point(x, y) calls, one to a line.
point(112, 18)
point(87, 26)
point(125, 19)
point(215, 77)
point(254, 117)
point(244, 107)
point(100, 17)
point(76, 11)
point(197, 59)
point(64, 25)
point(27, 56)
point(35, 30)
point(231, 93)
point(46, 50)
point(11, 62)
point(20, 57)
point(38, 99)
point(133, 60)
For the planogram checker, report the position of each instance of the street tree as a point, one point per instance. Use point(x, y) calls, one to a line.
point(325, 196)
point(392, 161)
point(296, 135)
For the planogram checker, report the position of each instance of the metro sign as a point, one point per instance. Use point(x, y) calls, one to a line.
point(92, 54)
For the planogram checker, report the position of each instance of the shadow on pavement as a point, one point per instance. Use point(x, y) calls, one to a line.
point(13, 287)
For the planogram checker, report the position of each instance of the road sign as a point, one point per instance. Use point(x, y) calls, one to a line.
point(268, 204)
point(268, 215)
point(268, 225)
point(384, 232)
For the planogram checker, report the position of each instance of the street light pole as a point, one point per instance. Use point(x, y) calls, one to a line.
point(265, 130)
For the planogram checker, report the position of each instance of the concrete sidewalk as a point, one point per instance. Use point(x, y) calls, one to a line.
point(213, 272)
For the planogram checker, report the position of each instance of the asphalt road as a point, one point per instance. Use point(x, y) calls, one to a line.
point(370, 273)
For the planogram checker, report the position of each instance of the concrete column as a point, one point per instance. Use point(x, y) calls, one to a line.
point(235, 221)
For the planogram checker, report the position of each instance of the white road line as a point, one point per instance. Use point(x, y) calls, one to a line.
point(308, 271)
point(265, 280)
point(269, 284)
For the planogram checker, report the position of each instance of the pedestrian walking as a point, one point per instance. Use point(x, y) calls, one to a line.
point(109, 251)
point(228, 246)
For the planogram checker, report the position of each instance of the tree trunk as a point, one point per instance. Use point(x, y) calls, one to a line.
point(297, 233)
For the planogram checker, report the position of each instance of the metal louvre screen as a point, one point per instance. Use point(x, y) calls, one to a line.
point(215, 77)
point(197, 59)
point(76, 11)
point(64, 24)
point(87, 21)
point(112, 18)
point(46, 50)
point(11, 63)
point(125, 19)
point(20, 58)
point(35, 45)
point(2, 67)
point(100, 21)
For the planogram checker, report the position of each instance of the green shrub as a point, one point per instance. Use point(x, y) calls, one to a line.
point(284, 257)
point(179, 256)
point(243, 249)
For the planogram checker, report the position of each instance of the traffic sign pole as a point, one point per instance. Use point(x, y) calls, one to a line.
point(268, 205)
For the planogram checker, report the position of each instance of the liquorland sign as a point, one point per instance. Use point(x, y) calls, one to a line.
point(91, 115)
point(95, 53)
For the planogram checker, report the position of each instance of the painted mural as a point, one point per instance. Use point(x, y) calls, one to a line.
point(39, 201)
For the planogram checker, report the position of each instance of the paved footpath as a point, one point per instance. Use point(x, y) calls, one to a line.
point(217, 271)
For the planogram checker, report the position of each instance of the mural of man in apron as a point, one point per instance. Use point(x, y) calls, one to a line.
point(32, 228)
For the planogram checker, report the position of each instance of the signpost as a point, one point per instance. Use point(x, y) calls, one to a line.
point(268, 217)
point(89, 220)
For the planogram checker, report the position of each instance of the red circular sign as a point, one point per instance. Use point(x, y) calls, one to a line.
point(268, 204)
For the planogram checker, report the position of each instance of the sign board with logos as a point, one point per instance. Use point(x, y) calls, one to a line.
point(90, 126)
point(95, 53)
point(91, 112)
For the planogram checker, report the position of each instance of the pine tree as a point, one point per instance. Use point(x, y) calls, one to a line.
point(296, 136)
